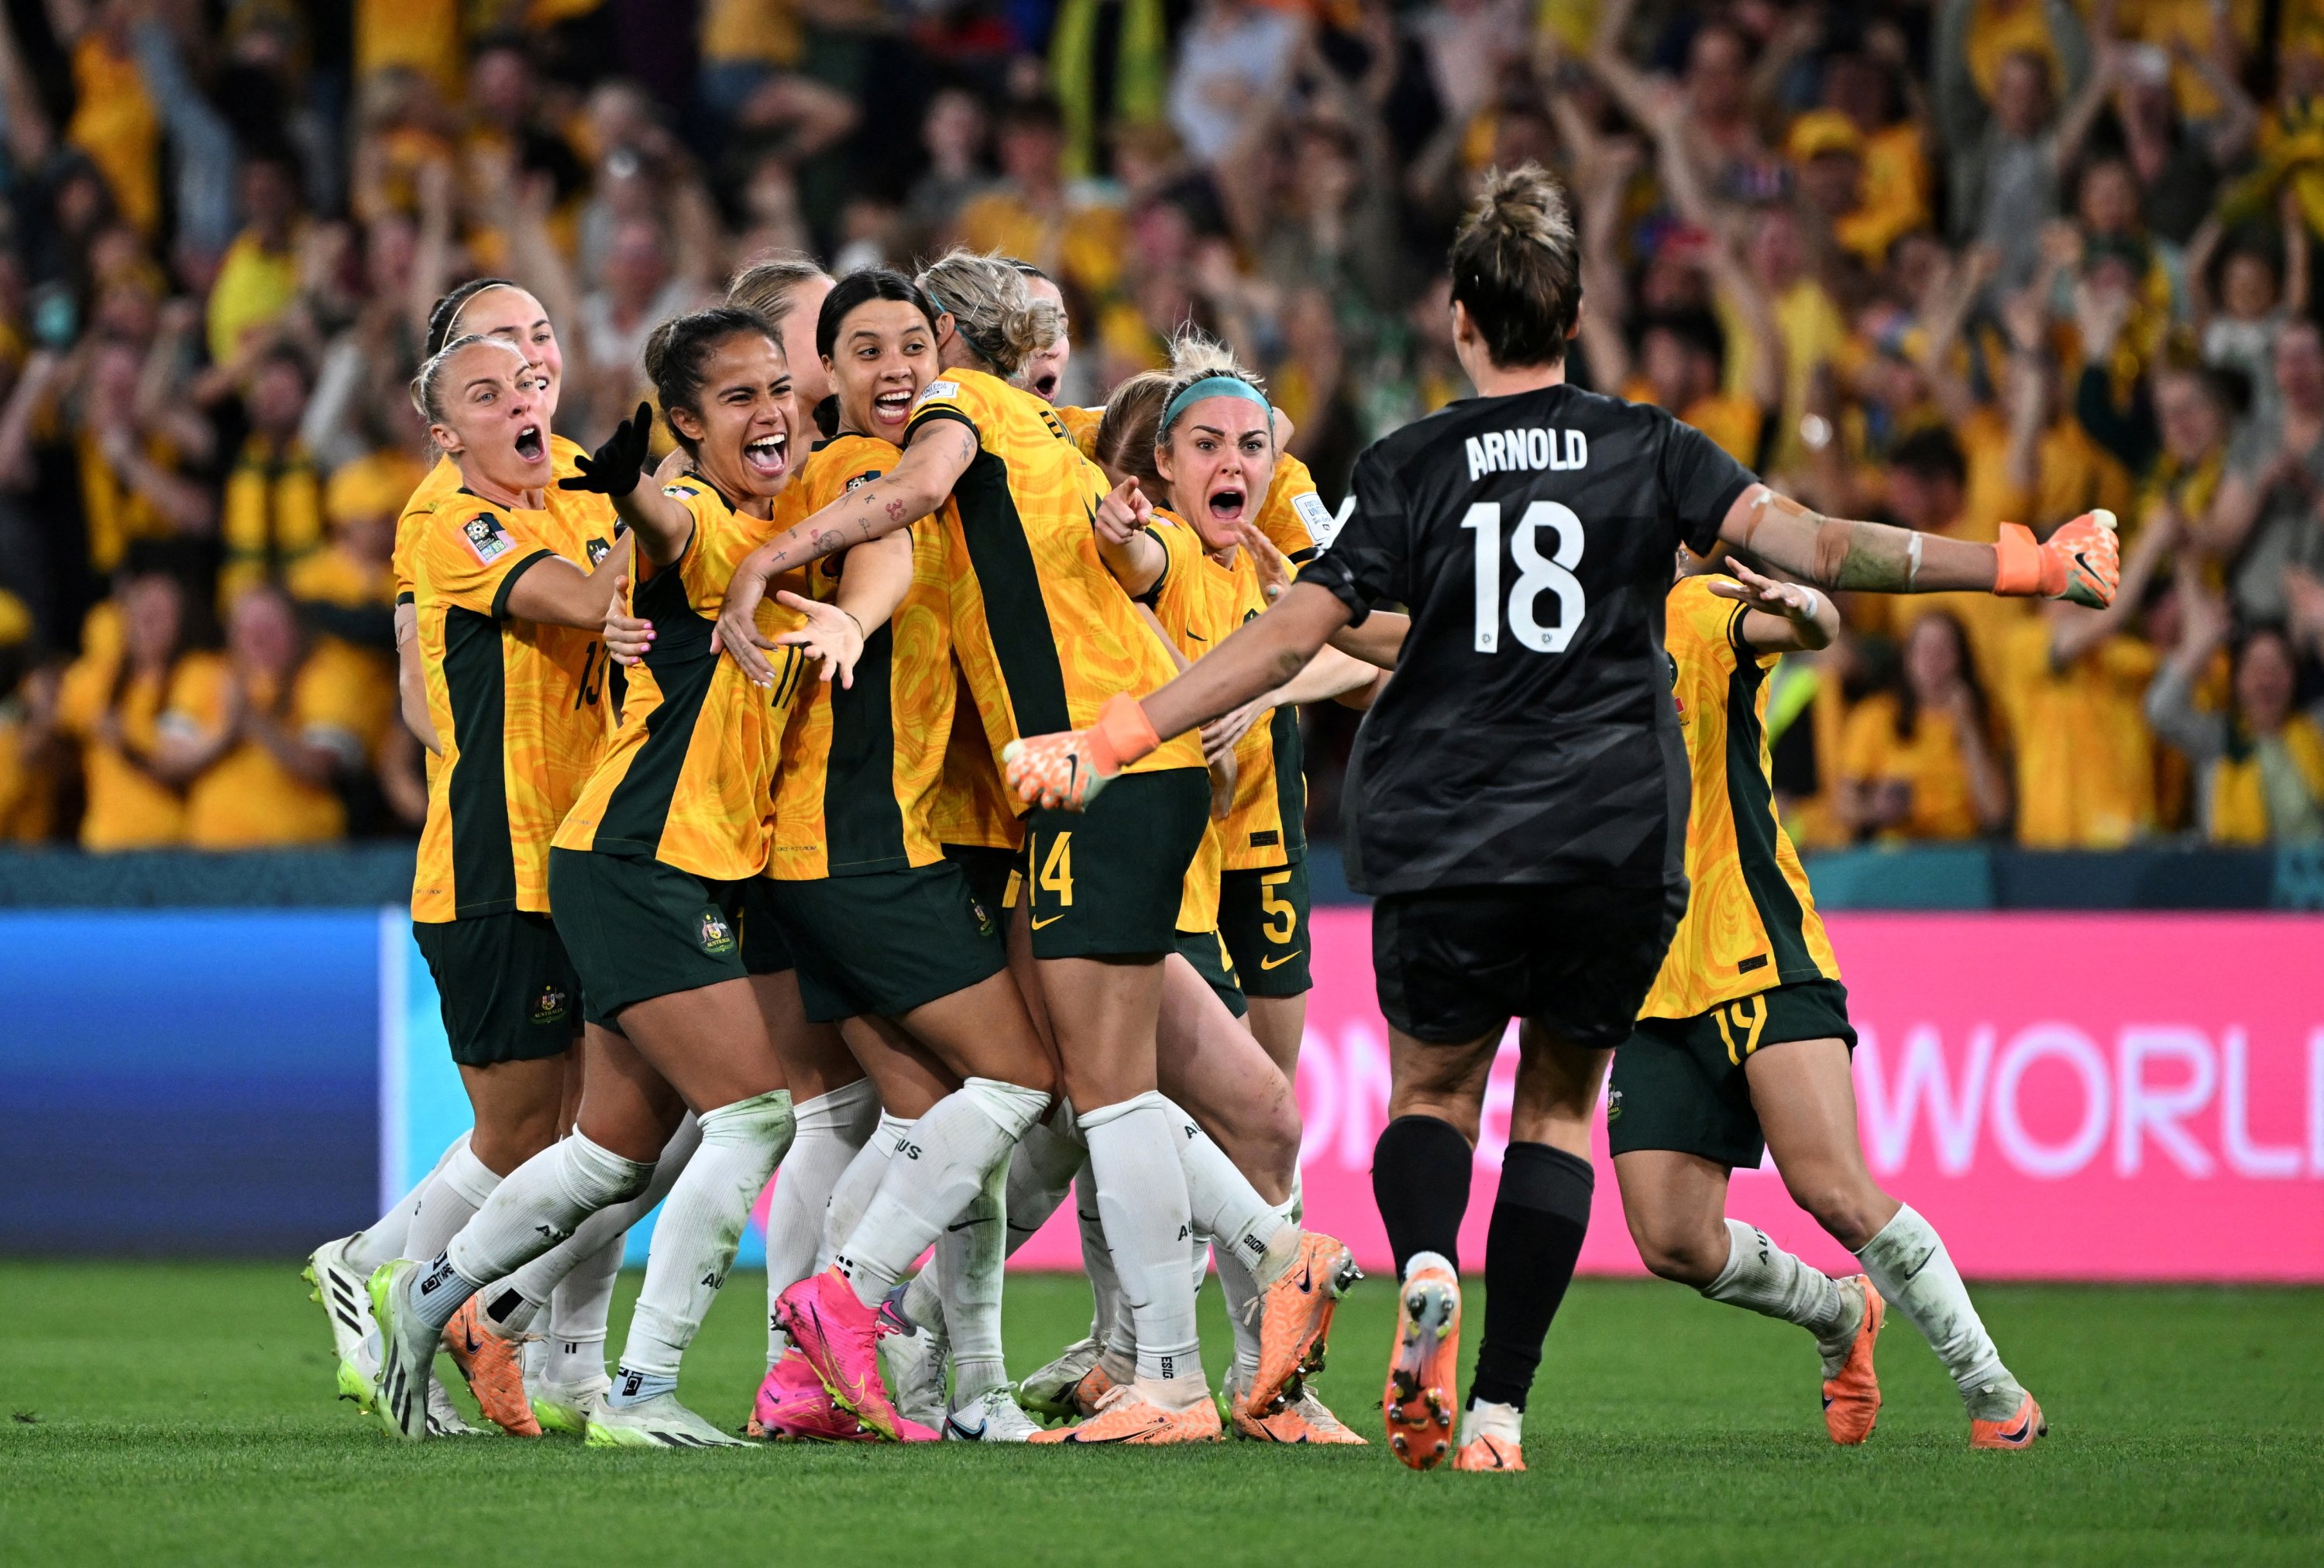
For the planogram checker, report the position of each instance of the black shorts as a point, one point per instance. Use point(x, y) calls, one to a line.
point(1207, 952)
point(1263, 916)
point(1456, 965)
point(640, 928)
point(888, 942)
point(766, 945)
point(509, 993)
point(990, 869)
point(1678, 1083)
point(1106, 882)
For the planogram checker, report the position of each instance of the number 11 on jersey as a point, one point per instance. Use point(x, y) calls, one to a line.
point(1536, 574)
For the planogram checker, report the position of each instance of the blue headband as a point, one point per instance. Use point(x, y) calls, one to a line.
point(1212, 386)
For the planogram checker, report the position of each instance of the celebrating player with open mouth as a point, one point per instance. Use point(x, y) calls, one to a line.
point(675, 813)
point(1518, 797)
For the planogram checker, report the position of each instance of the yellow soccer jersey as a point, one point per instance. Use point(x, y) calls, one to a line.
point(1043, 632)
point(1751, 923)
point(1081, 427)
point(861, 764)
point(688, 777)
point(442, 484)
point(1201, 603)
point(973, 808)
point(1291, 516)
point(516, 707)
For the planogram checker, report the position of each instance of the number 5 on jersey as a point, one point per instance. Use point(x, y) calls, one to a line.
point(1536, 574)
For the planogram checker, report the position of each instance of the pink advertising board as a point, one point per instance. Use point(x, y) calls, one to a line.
point(2064, 1096)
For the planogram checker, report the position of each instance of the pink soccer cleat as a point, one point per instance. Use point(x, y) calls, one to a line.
point(794, 1406)
point(839, 1336)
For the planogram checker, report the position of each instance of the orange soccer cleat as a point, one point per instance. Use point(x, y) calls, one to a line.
point(2018, 1432)
point(1486, 1451)
point(1295, 1314)
point(495, 1367)
point(1422, 1369)
point(1126, 1415)
point(1851, 1396)
point(1302, 1419)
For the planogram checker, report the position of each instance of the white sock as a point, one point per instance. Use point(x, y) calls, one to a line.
point(1141, 1191)
point(1227, 1208)
point(853, 1189)
point(701, 1225)
point(583, 1301)
point(513, 1310)
point(449, 1200)
point(1908, 1263)
point(540, 1204)
point(963, 1139)
point(384, 1241)
point(970, 1258)
point(1483, 1418)
point(1041, 1171)
point(830, 1131)
point(1242, 1292)
point(1097, 1261)
point(1763, 1278)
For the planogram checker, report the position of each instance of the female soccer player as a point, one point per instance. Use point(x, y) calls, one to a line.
point(886, 929)
point(521, 1077)
point(645, 862)
point(1042, 631)
point(1743, 1049)
point(1517, 795)
point(1203, 432)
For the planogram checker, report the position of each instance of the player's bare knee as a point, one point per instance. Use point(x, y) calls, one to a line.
point(1844, 1209)
point(1680, 1253)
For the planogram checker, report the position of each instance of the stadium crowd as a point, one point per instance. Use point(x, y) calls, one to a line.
point(1947, 264)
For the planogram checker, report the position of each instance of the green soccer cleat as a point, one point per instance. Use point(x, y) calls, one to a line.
point(661, 1422)
point(568, 1407)
point(1065, 1389)
point(407, 1353)
point(339, 1289)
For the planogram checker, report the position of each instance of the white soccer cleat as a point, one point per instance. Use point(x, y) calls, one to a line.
point(445, 1420)
point(1052, 1393)
point(406, 1353)
point(661, 1422)
point(915, 1371)
point(340, 1289)
point(568, 1407)
point(992, 1417)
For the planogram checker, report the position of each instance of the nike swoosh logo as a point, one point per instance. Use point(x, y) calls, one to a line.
point(964, 1224)
point(1039, 925)
point(1196, 636)
point(2017, 1434)
point(1279, 963)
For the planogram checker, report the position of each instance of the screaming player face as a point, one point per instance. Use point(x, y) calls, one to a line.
point(741, 432)
point(883, 353)
point(1045, 373)
point(515, 316)
point(493, 423)
point(1217, 460)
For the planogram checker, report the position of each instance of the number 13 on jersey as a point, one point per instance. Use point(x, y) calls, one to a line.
point(1536, 574)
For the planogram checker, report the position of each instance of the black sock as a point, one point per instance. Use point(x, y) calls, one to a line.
point(1420, 1180)
point(1539, 1219)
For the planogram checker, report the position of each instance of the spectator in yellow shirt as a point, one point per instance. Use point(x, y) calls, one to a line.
point(273, 513)
point(2259, 768)
point(2073, 682)
point(260, 273)
point(268, 734)
point(111, 702)
point(28, 697)
point(1032, 215)
point(1921, 762)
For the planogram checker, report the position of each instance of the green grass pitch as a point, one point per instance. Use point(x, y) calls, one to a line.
point(182, 1414)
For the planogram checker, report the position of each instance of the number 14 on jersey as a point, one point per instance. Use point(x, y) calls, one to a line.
point(1537, 574)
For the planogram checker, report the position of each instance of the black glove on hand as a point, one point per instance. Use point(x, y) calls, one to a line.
point(613, 468)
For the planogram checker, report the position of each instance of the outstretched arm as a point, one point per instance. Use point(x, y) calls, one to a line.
point(936, 454)
point(2080, 561)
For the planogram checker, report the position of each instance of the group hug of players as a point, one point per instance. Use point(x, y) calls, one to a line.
point(920, 813)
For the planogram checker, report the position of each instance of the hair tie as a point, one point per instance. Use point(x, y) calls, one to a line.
point(1212, 386)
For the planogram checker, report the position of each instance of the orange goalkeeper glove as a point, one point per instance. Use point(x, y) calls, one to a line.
point(1064, 772)
point(2082, 562)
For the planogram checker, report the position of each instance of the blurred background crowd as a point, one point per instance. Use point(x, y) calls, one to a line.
point(1944, 263)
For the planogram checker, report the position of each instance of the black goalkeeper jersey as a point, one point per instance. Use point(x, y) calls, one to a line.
point(1528, 735)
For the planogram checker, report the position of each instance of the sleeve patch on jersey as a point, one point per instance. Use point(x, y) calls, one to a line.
point(487, 537)
point(938, 388)
point(1314, 515)
point(864, 478)
point(680, 492)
